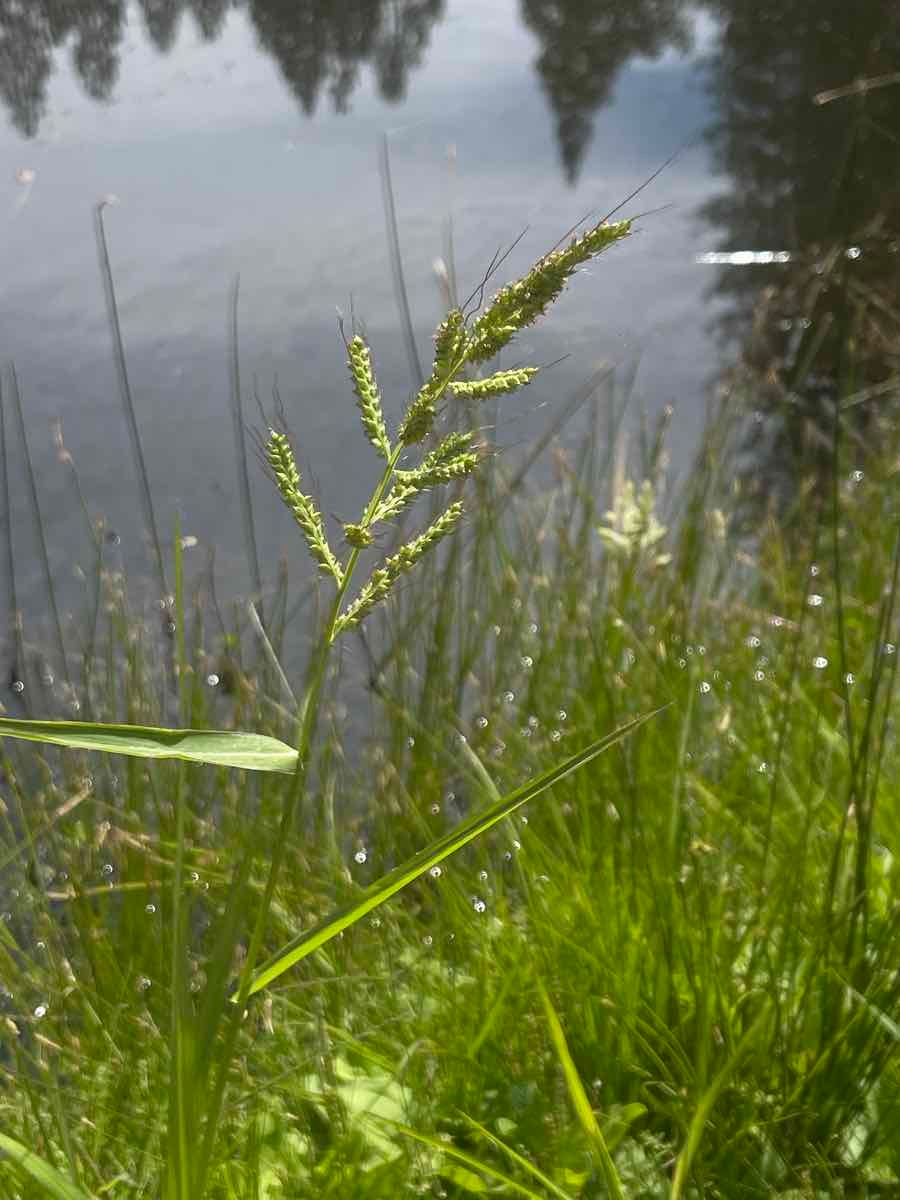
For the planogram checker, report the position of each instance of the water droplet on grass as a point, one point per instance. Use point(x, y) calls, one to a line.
point(435, 809)
point(849, 678)
point(427, 940)
point(820, 662)
point(360, 856)
point(759, 676)
point(150, 908)
point(705, 688)
point(481, 722)
point(752, 642)
point(857, 476)
point(562, 715)
point(143, 983)
point(509, 697)
point(555, 735)
point(435, 872)
point(482, 875)
point(479, 905)
point(814, 600)
point(106, 869)
point(40, 1011)
point(527, 662)
point(212, 679)
point(814, 569)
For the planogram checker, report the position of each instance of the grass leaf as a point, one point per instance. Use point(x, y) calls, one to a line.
point(383, 889)
point(46, 1177)
point(220, 748)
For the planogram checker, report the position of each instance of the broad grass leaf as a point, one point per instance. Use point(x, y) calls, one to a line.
point(44, 1175)
point(389, 885)
point(218, 748)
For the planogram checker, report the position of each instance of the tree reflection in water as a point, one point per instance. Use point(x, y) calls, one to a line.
point(319, 45)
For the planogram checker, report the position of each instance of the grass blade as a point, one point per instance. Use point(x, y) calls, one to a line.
point(580, 1102)
point(137, 449)
point(219, 748)
point(708, 1100)
point(311, 939)
point(39, 525)
point(468, 1160)
point(240, 449)
point(518, 1159)
point(46, 1177)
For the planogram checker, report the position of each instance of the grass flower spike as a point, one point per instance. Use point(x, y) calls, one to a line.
point(520, 304)
point(450, 354)
point(494, 385)
point(367, 397)
point(280, 457)
point(385, 576)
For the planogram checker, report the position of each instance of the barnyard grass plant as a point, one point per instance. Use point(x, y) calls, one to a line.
point(199, 1079)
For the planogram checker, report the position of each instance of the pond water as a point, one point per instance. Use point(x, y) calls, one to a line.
point(242, 137)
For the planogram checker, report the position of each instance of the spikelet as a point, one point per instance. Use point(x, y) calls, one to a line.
point(367, 396)
point(450, 344)
point(494, 385)
point(452, 459)
point(384, 577)
point(399, 497)
point(357, 535)
point(521, 303)
point(280, 457)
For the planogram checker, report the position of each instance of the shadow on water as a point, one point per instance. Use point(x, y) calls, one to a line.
point(816, 176)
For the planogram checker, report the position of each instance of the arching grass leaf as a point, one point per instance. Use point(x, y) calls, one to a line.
point(389, 885)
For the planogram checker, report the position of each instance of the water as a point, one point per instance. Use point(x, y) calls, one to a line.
point(243, 137)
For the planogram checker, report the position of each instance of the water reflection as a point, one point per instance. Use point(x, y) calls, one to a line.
point(29, 34)
point(319, 45)
point(585, 45)
point(822, 181)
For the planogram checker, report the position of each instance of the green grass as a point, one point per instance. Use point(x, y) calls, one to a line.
point(674, 975)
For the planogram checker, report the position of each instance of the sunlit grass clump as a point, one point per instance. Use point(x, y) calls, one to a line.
point(665, 971)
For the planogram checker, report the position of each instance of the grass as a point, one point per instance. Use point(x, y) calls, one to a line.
point(675, 975)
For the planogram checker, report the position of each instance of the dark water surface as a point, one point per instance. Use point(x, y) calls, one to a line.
point(242, 137)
